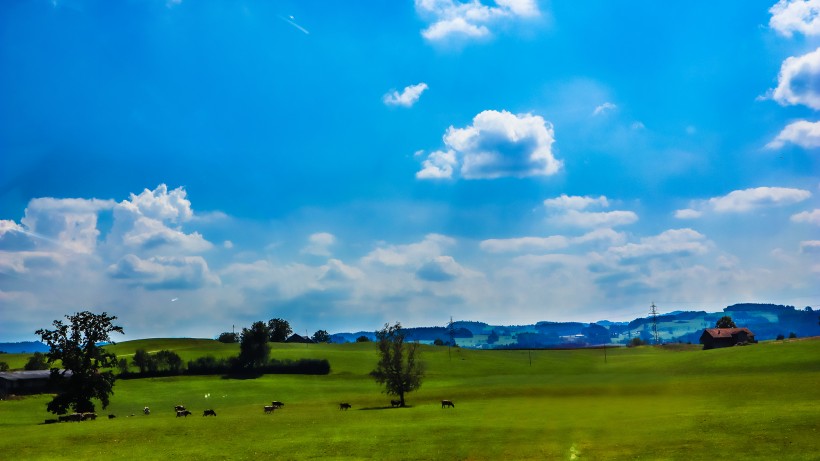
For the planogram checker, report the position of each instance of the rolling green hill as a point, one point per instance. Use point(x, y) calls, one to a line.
point(680, 403)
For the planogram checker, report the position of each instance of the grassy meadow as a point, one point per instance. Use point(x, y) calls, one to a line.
point(672, 403)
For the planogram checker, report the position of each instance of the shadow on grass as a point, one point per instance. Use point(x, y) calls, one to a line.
point(242, 376)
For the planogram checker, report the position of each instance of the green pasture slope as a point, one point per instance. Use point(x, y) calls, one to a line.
point(755, 402)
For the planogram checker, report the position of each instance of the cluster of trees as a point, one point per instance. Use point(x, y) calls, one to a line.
point(278, 331)
point(162, 361)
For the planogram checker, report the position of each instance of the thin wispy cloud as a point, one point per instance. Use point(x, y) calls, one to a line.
point(290, 20)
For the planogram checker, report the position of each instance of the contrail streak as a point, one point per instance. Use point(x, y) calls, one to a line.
point(290, 21)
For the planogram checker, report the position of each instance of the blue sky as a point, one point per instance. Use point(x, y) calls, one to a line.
point(192, 165)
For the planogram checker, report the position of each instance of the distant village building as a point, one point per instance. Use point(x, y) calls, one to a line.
point(299, 339)
point(725, 337)
point(26, 382)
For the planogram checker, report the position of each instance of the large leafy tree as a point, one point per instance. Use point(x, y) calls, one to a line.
point(253, 345)
point(725, 322)
point(76, 345)
point(398, 369)
point(279, 330)
point(321, 336)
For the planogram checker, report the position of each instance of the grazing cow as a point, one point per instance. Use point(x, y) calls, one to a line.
point(447, 403)
point(89, 416)
point(208, 413)
point(179, 408)
point(112, 416)
point(395, 403)
point(146, 411)
point(344, 406)
point(277, 404)
point(269, 408)
point(184, 413)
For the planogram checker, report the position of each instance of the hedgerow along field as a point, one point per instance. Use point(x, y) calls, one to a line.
point(653, 403)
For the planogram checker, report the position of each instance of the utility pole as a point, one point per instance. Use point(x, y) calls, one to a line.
point(653, 311)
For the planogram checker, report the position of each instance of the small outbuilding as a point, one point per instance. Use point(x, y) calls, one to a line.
point(27, 382)
point(726, 337)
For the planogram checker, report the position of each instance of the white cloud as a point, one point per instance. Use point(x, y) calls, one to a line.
point(797, 82)
point(406, 98)
point(412, 254)
point(470, 20)
point(497, 144)
point(739, 201)
point(152, 220)
point(604, 108)
point(574, 202)
point(680, 242)
point(440, 269)
point(789, 16)
point(161, 272)
point(688, 213)
point(160, 204)
point(810, 246)
point(802, 133)
point(69, 223)
point(337, 271)
point(524, 244)
point(438, 165)
point(319, 244)
point(811, 217)
point(553, 242)
point(596, 219)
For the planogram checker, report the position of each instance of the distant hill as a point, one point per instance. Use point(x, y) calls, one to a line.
point(23, 347)
point(767, 321)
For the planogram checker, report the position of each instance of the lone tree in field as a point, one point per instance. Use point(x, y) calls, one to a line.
point(279, 329)
point(321, 336)
point(77, 346)
point(725, 322)
point(398, 369)
point(253, 345)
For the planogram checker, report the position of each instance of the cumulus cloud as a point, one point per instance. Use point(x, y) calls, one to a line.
point(596, 219)
point(497, 144)
point(551, 243)
point(440, 269)
point(790, 16)
point(524, 244)
point(407, 97)
point(676, 242)
point(810, 217)
point(569, 212)
point(575, 202)
point(604, 108)
point(152, 220)
point(739, 201)
point(337, 271)
point(319, 244)
point(798, 81)
point(688, 213)
point(411, 254)
point(802, 133)
point(69, 223)
point(452, 19)
point(161, 272)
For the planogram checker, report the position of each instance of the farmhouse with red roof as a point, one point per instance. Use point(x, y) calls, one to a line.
point(725, 337)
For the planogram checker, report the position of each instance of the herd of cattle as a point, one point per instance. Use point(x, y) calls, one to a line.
point(181, 411)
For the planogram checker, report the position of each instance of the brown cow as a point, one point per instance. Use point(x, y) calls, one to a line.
point(447, 403)
point(344, 406)
point(208, 413)
point(184, 413)
point(269, 409)
point(277, 404)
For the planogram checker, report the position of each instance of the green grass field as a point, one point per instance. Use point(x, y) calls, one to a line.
point(756, 402)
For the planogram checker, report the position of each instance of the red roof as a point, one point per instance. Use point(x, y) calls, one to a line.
point(726, 332)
